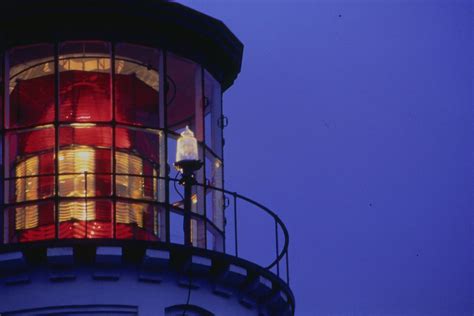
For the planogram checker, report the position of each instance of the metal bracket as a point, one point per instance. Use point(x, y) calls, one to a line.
point(223, 122)
point(226, 202)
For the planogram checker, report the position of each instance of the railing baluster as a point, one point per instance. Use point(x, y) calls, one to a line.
point(287, 266)
point(85, 201)
point(280, 253)
point(224, 226)
point(277, 248)
point(235, 226)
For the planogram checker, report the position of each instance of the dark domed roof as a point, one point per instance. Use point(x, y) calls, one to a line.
point(157, 23)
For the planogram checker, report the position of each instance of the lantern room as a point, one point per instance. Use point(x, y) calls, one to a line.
point(89, 138)
point(87, 143)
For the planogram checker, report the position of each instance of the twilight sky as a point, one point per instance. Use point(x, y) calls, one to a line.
point(353, 121)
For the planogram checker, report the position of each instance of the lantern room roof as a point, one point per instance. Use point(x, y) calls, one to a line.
point(156, 23)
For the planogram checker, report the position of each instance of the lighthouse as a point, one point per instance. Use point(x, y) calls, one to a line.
point(113, 194)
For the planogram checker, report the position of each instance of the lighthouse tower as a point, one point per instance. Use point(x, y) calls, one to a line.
point(113, 197)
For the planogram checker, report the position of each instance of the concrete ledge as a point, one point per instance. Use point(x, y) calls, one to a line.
point(233, 275)
point(260, 288)
point(108, 260)
point(247, 301)
point(188, 282)
point(154, 257)
point(108, 255)
point(200, 265)
point(278, 303)
point(13, 267)
point(150, 277)
point(21, 278)
point(106, 275)
point(222, 291)
point(62, 276)
point(12, 261)
point(154, 263)
point(223, 275)
point(61, 262)
point(60, 256)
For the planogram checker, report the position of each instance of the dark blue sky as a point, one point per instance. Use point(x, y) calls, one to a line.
point(353, 120)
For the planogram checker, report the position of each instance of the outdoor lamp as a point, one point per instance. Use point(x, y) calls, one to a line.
point(187, 161)
point(187, 157)
point(187, 148)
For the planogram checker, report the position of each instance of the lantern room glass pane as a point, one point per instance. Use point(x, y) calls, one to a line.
point(85, 160)
point(184, 94)
point(20, 145)
point(31, 86)
point(82, 218)
point(137, 85)
point(137, 163)
point(29, 222)
point(2, 90)
point(137, 220)
point(214, 120)
point(84, 88)
point(215, 198)
point(27, 187)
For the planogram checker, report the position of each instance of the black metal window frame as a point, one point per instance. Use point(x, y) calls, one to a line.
point(281, 247)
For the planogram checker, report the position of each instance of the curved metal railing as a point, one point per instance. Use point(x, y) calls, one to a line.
point(235, 204)
point(281, 249)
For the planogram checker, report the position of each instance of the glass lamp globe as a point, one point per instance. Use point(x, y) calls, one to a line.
point(187, 147)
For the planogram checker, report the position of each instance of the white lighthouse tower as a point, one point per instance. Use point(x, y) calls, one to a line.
point(113, 197)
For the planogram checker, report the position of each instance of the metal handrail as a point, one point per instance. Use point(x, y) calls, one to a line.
point(277, 219)
point(281, 254)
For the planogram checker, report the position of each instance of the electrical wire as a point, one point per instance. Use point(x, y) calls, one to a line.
point(189, 296)
point(174, 184)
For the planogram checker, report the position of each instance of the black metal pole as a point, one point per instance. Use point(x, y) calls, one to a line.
point(187, 168)
point(235, 228)
point(188, 186)
point(57, 81)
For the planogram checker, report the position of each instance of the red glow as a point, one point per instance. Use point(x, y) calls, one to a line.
point(34, 97)
point(136, 102)
point(84, 97)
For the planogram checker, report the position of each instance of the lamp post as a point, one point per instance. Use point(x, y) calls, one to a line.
point(187, 162)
